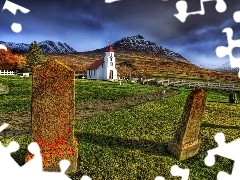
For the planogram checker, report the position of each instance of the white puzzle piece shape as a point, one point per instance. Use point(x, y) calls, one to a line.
point(10, 169)
point(182, 7)
point(177, 171)
point(222, 51)
point(228, 150)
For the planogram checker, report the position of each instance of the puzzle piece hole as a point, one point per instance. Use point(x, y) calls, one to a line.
point(18, 155)
point(236, 52)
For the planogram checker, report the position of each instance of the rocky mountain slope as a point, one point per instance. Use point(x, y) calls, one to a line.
point(138, 44)
point(48, 47)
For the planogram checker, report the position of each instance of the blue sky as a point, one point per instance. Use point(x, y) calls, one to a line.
point(86, 25)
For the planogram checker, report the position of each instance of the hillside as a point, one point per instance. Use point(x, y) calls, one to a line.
point(136, 56)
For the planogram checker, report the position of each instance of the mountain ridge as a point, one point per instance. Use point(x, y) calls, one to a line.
point(139, 44)
point(136, 44)
point(47, 47)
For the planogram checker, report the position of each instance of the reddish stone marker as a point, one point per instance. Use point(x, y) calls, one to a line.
point(53, 114)
point(186, 142)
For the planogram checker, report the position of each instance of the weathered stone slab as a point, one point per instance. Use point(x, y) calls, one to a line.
point(186, 142)
point(53, 114)
point(4, 89)
point(233, 98)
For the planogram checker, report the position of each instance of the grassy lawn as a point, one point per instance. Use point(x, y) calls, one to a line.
point(131, 143)
point(19, 97)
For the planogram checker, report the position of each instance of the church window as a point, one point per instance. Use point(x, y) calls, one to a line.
point(111, 63)
point(94, 72)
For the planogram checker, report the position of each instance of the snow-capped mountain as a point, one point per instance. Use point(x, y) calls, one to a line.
point(227, 68)
point(139, 44)
point(48, 47)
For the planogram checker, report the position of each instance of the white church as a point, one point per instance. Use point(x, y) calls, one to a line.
point(104, 69)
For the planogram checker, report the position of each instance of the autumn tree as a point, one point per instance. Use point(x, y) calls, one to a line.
point(34, 57)
point(10, 61)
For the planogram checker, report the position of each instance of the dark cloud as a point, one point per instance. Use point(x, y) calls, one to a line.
point(89, 24)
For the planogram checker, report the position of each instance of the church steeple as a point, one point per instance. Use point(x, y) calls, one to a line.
point(109, 49)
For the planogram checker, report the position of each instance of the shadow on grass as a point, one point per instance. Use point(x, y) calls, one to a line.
point(146, 146)
point(219, 126)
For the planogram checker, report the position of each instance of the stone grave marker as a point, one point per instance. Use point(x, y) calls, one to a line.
point(233, 98)
point(163, 93)
point(186, 142)
point(53, 114)
point(4, 89)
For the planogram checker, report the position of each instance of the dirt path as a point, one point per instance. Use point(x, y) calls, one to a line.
point(20, 122)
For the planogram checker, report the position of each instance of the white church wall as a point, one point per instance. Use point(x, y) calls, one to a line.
point(103, 71)
point(91, 74)
point(100, 72)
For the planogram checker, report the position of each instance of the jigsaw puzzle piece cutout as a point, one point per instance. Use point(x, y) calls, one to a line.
point(12, 7)
point(33, 166)
point(220, 6)
point(182, 15)
point(227, 150)
point(111, 1)
point(159, 178)
point(236, 16)
point(4, 125)
point(222, 51)
point(224, 176)
point(85, 178)
point(5, 154)
point(182, 7)
point(177, 171)
point(64, 165)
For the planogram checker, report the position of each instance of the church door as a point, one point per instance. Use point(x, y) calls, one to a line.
point(111, 74)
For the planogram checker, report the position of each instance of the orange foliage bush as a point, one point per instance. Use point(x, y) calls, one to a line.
point(10, 61)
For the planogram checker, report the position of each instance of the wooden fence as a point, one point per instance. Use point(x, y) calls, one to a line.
point(184, 83)
point(6, 73)
point(209, 85)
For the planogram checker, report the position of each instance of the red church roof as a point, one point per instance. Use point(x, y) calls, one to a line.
point(96, 64)
point(109, 49)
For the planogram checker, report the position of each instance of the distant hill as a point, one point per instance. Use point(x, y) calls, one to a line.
point(48, 47)
point(135, 56)
point(138, 57)
point(138, 44)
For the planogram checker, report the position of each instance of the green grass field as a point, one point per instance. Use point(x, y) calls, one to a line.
point(19, 97)
point(131, 143)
